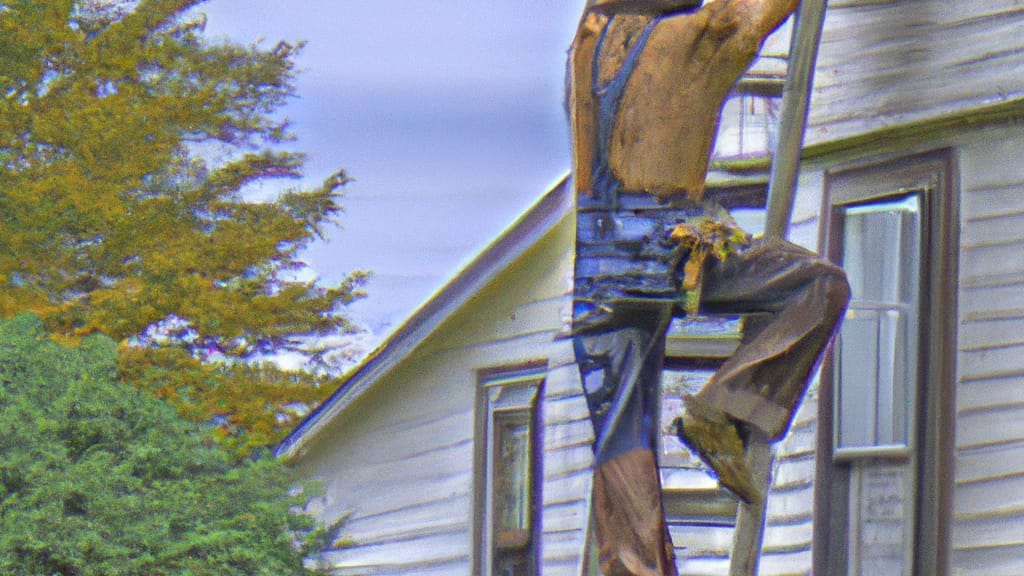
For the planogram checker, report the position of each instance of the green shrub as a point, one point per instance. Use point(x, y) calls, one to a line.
point(98, 478)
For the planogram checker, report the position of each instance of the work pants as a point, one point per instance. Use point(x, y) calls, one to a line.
point(797, 300)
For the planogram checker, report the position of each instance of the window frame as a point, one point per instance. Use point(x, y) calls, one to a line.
point(490, 411)
point(747, 90)
point(893, 450)
point(934, 423)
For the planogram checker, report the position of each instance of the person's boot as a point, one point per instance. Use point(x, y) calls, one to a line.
point(714, 437)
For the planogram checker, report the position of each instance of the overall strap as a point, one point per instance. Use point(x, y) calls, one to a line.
point(609, 97)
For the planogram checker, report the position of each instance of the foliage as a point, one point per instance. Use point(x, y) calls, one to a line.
point(97, 478)
point(130, 150)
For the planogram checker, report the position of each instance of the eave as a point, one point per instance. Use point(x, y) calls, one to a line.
point(527, 229)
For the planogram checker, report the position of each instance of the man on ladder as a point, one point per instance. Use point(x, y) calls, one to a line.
point(647, 79)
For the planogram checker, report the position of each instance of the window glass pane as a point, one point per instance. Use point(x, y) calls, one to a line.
point(747, 126)
point(510, 490)
point(674, 384)
point(857, 368)
point(878, 239)
point(876, 353)
point(512, 474)
point(697, 326)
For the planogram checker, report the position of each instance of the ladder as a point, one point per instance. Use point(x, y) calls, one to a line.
point(796, 95)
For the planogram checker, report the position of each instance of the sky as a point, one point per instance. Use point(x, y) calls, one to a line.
point(449, 115)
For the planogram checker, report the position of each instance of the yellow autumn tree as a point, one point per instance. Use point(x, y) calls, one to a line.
point(128, 141)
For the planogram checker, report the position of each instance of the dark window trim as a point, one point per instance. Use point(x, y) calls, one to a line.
point(535, 370)
point(936, 172)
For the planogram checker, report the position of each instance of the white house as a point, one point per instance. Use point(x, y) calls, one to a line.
point(462, 445)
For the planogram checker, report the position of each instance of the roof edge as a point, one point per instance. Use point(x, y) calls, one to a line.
point(524, 232)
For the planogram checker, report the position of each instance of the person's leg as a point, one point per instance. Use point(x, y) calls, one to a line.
point(798, 299)
point(801, 298)
point(621, 372)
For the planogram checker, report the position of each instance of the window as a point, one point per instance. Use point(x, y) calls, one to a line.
point(874, 378)
point(509, 497)
point(694, 349)
point(876, 353)
point(883, 489)
point(748, 124)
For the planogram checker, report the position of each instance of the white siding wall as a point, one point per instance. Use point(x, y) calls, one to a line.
point(415, 431)
point(988, 524)
point(885, 62)
point(401, 459)
point(988, 535)
point(790, 522)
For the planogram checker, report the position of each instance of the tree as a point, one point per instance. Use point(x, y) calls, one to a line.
point(98, 478)
point(128, 144)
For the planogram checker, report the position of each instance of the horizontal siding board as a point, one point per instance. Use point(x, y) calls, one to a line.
point(993, 259)
point(528, 318)
point(429, 510)
point(990, 300)
point(886, 63)
point(782, 506)
point(996, 199)
point(405, 556)
point(990, 561)
point(694, 542)
point(450, 457)
point(490, 354)
point(980, 333)
point(456, 566)
point(567, 462)
point(390, 531)
point(565, 516)
point(378, 506)
point(799, 441)
point(566, 409)
point(788, 564)
point(562, 566)
point(701, 566)
point(793, 474)
point(424, 437)
point(562, 381)
point(571, 434)
point(1001, 228)
point(995, 359)
point(567, 487)
point(1001, 531)
point(989, 393)
point(788, 538)
point(1002, 425)
point(562, 545)
point(807, 412)
point(988, 464)
point(994, 497)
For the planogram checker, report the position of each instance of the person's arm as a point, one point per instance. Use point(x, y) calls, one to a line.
point(641, 6)
point(666, 126)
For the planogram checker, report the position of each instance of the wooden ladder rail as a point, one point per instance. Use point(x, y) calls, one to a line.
point(809, 20)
